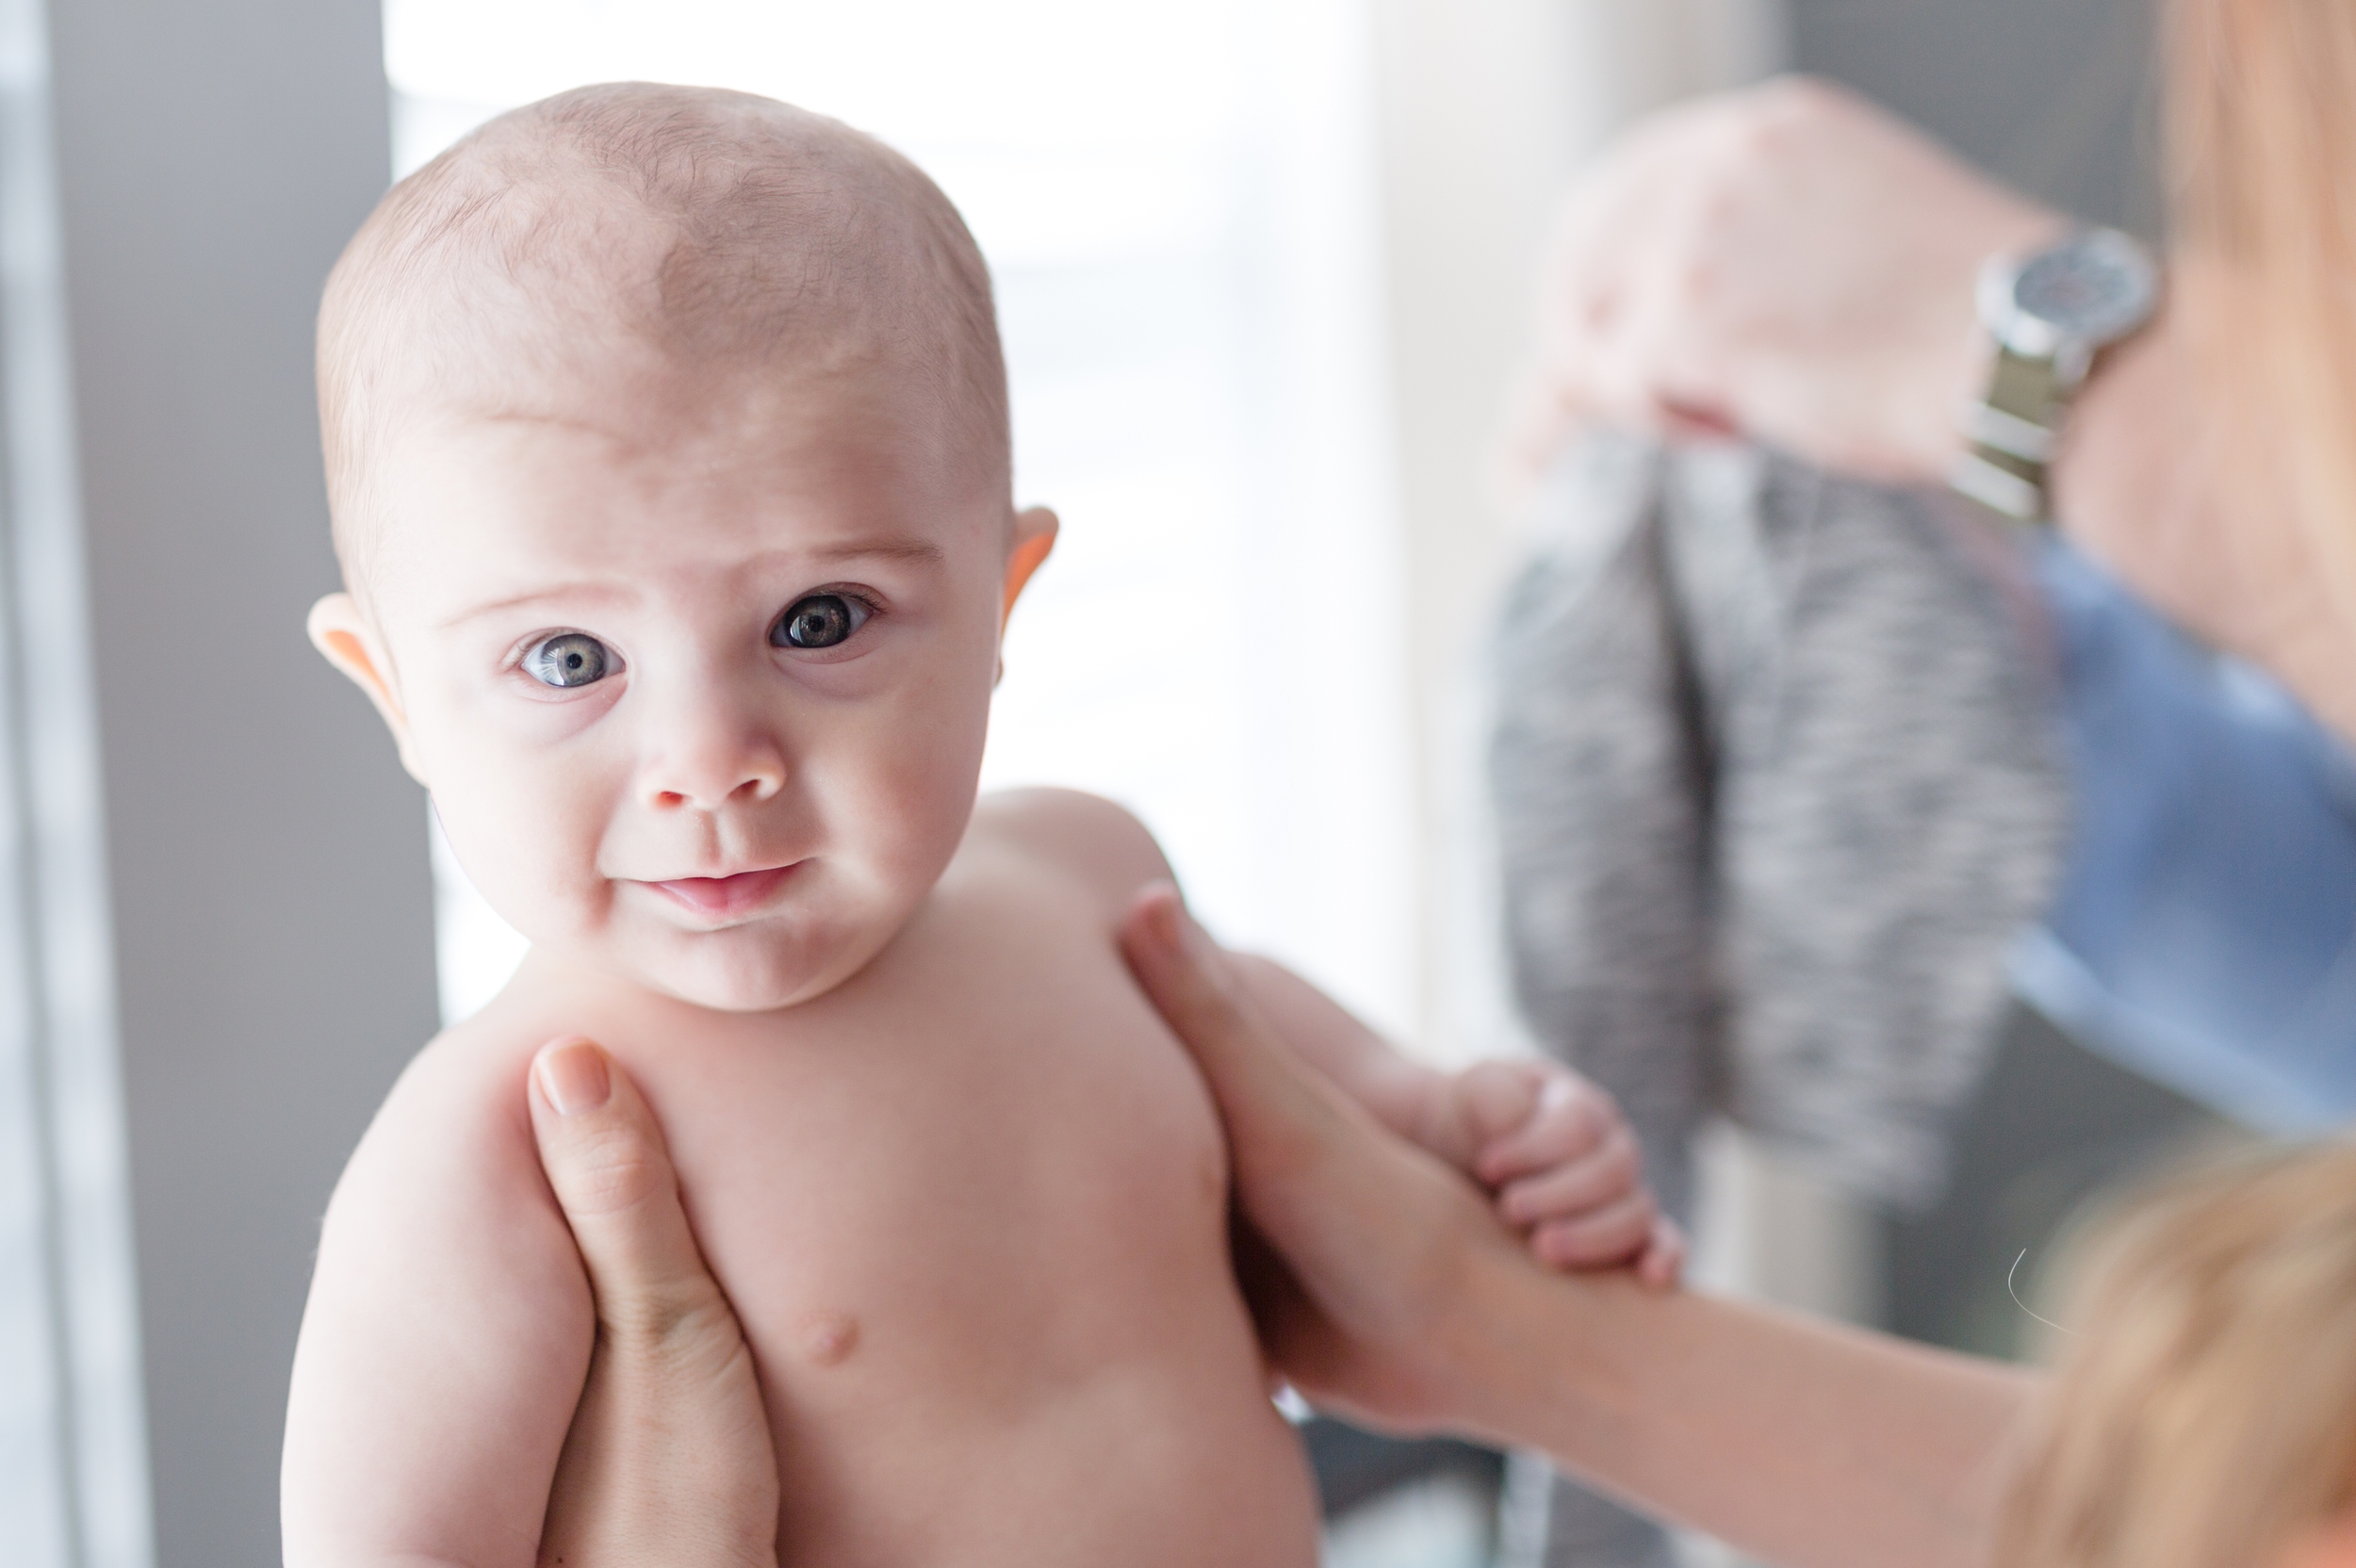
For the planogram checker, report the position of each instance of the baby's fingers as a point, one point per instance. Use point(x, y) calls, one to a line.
point(1603, 1176)
point(1569, 1122)
point(1495, 1098)
point(1607, 1236)
point(1663, 1258)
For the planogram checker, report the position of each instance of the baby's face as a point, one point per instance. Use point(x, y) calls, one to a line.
point(698, 684)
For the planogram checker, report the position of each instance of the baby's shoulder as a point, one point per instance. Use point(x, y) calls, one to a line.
point(456, 1126)
point(1083, 838)
point(449, 1325)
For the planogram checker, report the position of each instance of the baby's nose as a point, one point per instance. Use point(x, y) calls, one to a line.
point(715, 767)
point(747, 790)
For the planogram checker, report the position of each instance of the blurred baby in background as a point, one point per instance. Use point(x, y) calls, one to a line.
point(667, 447)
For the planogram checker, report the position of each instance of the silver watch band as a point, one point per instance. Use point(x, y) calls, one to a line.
point(2014, 432)
point(2049, 312)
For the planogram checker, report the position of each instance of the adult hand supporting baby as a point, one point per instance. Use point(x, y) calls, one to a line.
point(1379, 1235)
point(1408, 1304)
point(669, 1461)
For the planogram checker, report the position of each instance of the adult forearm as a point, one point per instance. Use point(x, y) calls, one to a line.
point(1809, 1444)
point(1408, 1304)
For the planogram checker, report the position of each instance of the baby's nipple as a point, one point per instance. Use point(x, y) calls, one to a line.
point(827, 1338)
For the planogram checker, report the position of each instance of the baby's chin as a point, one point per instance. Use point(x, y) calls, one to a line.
point(751, 968)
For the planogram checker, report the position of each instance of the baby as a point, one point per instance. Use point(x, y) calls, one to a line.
point(666, 443)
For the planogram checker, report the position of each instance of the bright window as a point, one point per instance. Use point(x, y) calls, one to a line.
point(1177, 203)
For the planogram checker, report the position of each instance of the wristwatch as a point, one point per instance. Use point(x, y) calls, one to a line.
point(2049, 313)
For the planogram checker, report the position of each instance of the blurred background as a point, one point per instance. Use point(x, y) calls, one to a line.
point(1263, 271)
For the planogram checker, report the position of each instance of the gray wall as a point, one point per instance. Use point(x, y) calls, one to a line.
point(273, 926)
point(2052, 96)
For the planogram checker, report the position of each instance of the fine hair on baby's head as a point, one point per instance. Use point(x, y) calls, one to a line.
point(2204, 1411)
point(672, 236)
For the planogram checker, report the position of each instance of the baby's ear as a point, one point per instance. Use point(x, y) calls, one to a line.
point(1034, 537)
point(340, 630)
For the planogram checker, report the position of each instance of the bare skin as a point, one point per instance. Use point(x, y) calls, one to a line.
point(1408, 1304)
point(1813, 1445)
point(696, 663)
point(669, 1456)
point(1787, 262)
point(970, 1206)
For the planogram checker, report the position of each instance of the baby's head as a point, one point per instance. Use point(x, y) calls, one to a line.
point(667, 447)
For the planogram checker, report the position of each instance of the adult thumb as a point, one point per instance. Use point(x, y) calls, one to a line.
point(1280, 1115)
point(1371, 1232)
point(669, 1458)
point(611, 1173)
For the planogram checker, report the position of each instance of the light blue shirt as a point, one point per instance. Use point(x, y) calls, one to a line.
point(2204, 934)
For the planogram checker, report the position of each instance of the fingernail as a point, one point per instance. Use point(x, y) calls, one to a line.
point(573, 1077)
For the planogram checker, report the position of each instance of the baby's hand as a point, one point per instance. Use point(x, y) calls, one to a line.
point(1563, 1165)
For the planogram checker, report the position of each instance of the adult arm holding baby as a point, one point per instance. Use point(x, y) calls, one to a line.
point(1411, 1307)
point(1560, 1160)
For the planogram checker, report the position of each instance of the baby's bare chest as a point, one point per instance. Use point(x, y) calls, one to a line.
point(990, 1154)
point(971, 1210)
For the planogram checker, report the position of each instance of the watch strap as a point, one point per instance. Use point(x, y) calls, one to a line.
point(2012, 435)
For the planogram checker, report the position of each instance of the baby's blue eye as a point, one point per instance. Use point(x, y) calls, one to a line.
point(819, 621)
point(568, 658)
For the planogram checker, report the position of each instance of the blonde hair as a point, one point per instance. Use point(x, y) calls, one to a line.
point(2262, 133)
point(2204, 1415)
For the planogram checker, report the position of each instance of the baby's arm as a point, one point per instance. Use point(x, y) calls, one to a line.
point(1554, 1148)
point(446, 1337)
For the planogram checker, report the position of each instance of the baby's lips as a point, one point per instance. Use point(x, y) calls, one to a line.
point(723, 897)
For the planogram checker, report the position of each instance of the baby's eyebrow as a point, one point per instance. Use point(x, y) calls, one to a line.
point(923, 551)
point(910, 548)
point(561, 590)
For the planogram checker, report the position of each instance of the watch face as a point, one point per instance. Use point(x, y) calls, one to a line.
point(2093, 289)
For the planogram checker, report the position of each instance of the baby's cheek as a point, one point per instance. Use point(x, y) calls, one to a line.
point(904, 794)
point(905, 837)
point(531, 846)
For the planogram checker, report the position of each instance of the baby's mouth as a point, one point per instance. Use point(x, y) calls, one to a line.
point(728, 897)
